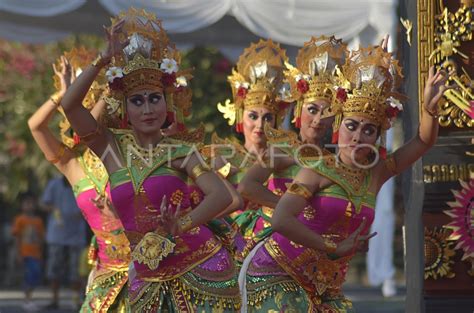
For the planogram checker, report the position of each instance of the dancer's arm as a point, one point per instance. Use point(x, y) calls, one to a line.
point(285, 222)
point(53, 149)
point(80, 118)
point(427, 132)
point(252, 185)
point(216, 198)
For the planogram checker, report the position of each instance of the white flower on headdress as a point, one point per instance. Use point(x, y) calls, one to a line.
point(243, 85)
point(299, 77)
point(181, 81)
point(113, 72)
point(395, 103)
point(169, 66)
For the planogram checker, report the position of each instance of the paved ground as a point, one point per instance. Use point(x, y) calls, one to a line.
point(366, 300)
point(370, 300)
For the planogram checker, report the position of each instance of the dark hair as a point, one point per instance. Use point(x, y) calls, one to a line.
point(166, 124)
point(25, 196)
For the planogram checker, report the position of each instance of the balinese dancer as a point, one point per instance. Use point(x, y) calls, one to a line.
point(256, 83)
point(179, 266)
point(311, 84)
point(323, 217)
point(106, 290)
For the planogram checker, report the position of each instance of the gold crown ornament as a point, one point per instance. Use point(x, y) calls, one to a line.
point(149, 61)
point(372, 77)
point(314, 77)
point(256, 81)
point(79, 58)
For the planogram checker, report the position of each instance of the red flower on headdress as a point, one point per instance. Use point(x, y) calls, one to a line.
point(302, 85)
point(116, 84)
point(242, 92)
point(392, 112)
point(341, 95)
point(168, 79)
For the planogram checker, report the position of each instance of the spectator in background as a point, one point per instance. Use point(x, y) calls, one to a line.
point(65, 235)
point(28, 230)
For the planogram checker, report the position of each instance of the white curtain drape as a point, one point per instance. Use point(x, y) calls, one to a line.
point(43, 8)
point(178, 16)
point(287, 21)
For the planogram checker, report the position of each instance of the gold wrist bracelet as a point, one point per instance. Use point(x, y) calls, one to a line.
point(56, 98)
point(184, 223)
point(99, 61)
point(330, 246)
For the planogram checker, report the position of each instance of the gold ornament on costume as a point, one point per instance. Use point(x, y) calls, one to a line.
point(462, 224)
point(314, 78)
point(451, 29)
point(149, 61)
point(152, 249)
point(373, 76)
point(257, 81)
point(438, 254)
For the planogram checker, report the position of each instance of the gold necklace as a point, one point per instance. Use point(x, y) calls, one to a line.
point(141, 158)
point(353, 176)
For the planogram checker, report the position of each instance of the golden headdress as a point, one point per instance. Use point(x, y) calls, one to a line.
point(314, 78)
point(256, 81)
point(150, 60)
point(79, 58)
point(371, 76)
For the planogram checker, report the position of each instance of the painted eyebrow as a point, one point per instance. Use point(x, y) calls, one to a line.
point(353, 121)
point(370, 125)
point(357, 122)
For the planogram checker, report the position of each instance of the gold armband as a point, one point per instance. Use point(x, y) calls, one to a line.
point(91, 134)
point(298, 189)
point(59, 155)
point(56, 98)
point(391, 165)
point(184, 223)
point(198, 170)
point(224, 171)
